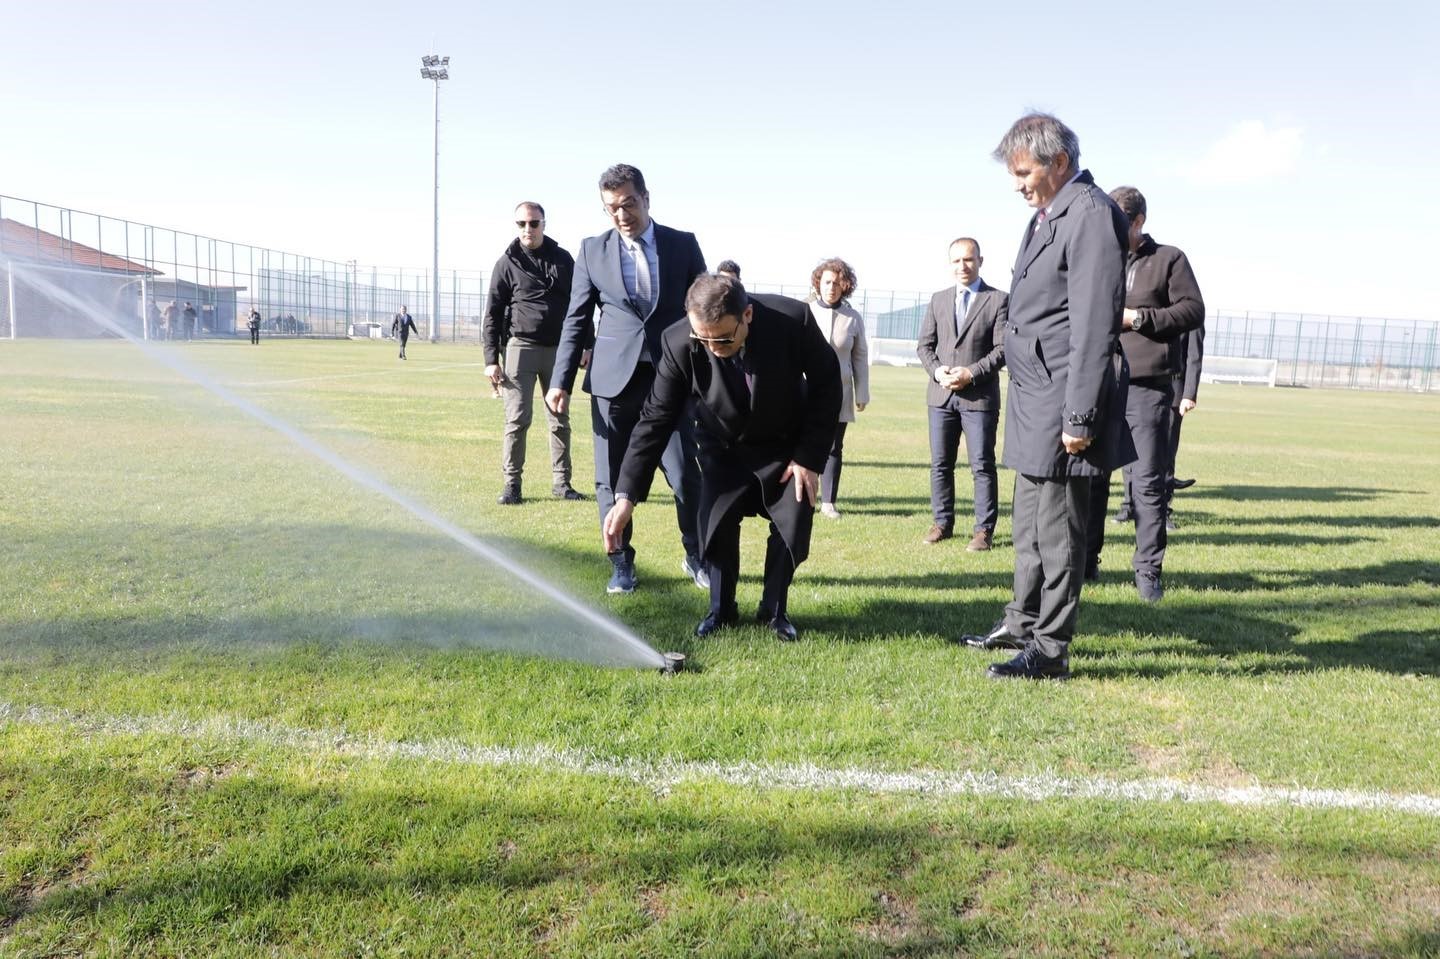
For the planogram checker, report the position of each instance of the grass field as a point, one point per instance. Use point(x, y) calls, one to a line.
point(249, 707)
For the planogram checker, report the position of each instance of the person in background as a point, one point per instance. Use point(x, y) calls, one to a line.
point(831, 283)
point(529, 290)
point(189, 322)
point(402, 326)
point(1187, 393)
point(254, 324)
point(962, 348)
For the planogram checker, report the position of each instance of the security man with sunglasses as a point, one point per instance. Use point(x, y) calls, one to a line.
point(530, 283)
point(763, 386)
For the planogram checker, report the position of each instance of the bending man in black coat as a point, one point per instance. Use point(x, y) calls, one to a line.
point(764, 387)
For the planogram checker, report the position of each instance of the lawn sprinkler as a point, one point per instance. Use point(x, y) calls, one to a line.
point(674, 663)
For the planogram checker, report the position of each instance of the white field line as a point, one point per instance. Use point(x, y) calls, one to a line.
point(666, 773)
point(442, 368)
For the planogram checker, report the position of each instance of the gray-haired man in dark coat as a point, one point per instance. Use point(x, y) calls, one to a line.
point(1065, 418)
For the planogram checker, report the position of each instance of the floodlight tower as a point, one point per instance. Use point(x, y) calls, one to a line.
point(435, 68)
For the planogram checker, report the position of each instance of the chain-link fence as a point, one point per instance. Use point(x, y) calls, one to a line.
point(150, 273)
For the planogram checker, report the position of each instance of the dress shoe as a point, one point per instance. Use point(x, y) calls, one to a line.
point(1092, 570)
point(784, 630)
point(1183, 484)
point(1031, 664)
point(1170, 524)
point(567, 492)
point(622, 578)
point(1123, 515)
point(980, 542)
point(936, 534)
point(1148, 585)
point(510, 495)
point(717, 620)
point(999, 637)
point(692, 567)
point(829, 511)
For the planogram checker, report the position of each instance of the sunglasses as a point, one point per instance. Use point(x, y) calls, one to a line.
point(532, 224)
point(713, 340)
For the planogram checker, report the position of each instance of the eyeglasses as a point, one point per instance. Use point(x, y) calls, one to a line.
point(628, 205)
point(716, 340)
point(532, 224)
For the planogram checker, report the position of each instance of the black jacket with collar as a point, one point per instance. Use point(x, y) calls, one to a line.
point(1161, 288)
point(536, 289)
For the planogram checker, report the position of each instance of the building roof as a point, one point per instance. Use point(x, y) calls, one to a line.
point(21, 242)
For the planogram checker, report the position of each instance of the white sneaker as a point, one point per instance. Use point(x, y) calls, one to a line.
point(829, 511)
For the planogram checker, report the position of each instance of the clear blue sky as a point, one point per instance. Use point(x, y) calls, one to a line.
point(1285, 151)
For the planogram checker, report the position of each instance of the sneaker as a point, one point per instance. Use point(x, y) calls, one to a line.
point(510, 496)
point(622, 578)
point(1148, 585)
point(693, 568)
point(829, 511)
point(567, 492)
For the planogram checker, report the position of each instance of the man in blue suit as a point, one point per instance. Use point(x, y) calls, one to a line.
point(636, 275)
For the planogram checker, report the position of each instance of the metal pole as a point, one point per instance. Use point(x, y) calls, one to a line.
point(10, 284)
point(435, 264)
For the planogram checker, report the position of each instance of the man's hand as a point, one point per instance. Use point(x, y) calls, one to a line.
point(807, 482)
point(963, 377)
point(859, 407)
point(1127, 319)
point(558, 400)
point(1186, 406)
point(615, 522)
point(1074, 445)
point(585, 359)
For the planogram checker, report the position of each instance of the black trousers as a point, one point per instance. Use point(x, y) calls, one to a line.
point(613, 419)
point(1048, 522)
point(255, 334)
point(722, 558)
point(1176, 421)
point(947, 424)
point(830, 479)
point(1147, 411)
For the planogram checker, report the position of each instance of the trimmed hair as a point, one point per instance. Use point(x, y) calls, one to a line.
point(532, 205)
point(729, 266)
point(1130, 201)
point(714, 295)
point(965, 239)
point(620, 174)
point(1041, 135)
point(844, 273)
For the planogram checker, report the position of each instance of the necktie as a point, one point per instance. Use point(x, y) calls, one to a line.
point(960, 314)
point(736, 380)
point(642, 276)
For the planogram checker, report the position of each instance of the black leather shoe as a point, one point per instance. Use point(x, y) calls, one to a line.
point(784, 630)
point(1183, 484)
point(1123, 515)
point(510, 496)
point(1092, 570)
point(999, 637)
point(1031, 664)
point(1149, 585)
point(567, 493)
point(717, 620)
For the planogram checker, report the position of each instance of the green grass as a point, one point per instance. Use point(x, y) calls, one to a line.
point(170, 557)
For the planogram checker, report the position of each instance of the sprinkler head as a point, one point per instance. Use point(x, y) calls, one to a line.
point(674, 663)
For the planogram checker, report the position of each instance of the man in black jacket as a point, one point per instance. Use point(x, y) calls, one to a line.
point(1162, 305)
point(531, 285)
point(763, 386)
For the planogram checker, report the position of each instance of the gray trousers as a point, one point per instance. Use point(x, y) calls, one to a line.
point(1048, 522)
point(525, 364)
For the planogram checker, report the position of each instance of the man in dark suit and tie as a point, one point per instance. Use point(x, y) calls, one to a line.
point(1065, 413)
point(636, 275)
point(763, 386)
point(962, 347)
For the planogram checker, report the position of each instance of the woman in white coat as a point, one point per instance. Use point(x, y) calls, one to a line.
point(831, 284)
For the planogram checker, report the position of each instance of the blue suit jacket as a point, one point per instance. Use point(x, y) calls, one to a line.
point(621, 334)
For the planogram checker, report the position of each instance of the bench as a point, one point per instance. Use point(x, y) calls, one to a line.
point(1238, 369)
